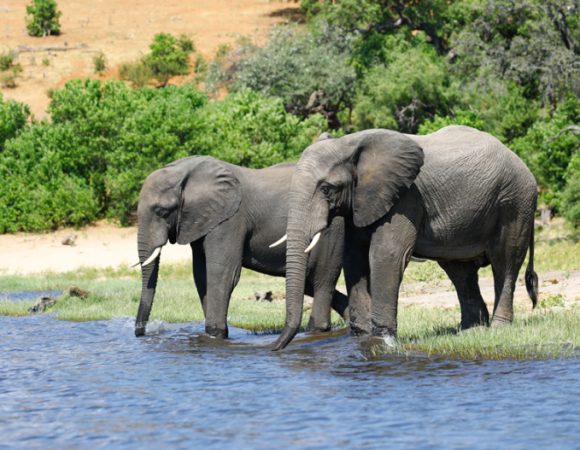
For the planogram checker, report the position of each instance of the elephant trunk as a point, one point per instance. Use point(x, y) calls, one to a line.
point(298, 231)
point(149, 275)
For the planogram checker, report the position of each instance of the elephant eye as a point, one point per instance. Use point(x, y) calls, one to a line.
point(161, 212)
point(325, 189)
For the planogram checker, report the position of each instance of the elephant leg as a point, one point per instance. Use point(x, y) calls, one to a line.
point(356, 275)
point(507, 255)
point(340, 304)
point(324, 277)
point(463, 275)
point(200, 273)
point(320, 314)
point(390, 251)
point(223, 259)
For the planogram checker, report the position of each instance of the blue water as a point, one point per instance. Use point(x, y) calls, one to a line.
point(20, 296)
point(94, 385)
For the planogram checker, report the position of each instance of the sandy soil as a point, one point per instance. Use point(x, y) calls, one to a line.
point(105, 245)
point(101, 245)
point(122, 30)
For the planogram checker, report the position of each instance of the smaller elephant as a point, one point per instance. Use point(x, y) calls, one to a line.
point(229, 215)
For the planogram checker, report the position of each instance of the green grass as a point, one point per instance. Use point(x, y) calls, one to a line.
point(549, 331)
point(543, 333)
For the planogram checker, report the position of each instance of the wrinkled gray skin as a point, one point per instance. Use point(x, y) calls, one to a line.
point(229, 215)
point(457, 196)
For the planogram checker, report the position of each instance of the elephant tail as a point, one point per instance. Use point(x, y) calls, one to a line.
point(531, 276)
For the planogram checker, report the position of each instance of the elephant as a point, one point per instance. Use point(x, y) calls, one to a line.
point(457, 196)
point(228, 215)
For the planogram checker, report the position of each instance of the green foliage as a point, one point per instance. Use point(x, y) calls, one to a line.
point(13, 118)
point(105, 138)
point(308, 71)
point(137, 73)
point(100, 63)
point(6, 60)
point(532, 43)
point(403, 94)
point(548, 152)
point(8, 70)
point(252, 130)
point(40, 189)
point(571, 195)
point(43, 18)
point(169, 56)
point(495, 107)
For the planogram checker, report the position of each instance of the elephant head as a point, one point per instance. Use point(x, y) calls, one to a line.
point(359, 176)
point(181, 202)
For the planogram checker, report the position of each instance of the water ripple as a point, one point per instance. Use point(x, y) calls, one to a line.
point(94, 385)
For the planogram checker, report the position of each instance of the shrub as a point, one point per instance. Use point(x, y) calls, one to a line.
point(137, 73)
point(8, 78)
point(13, 118)
point(100, 63)
point(43, 18)
point(252, 130)
point(403, 94)
point(309, 71)
point(570, 208)
point(6, 60)
point(40, 189)
point(105, 138)
point(169, 56)
point(548, 152)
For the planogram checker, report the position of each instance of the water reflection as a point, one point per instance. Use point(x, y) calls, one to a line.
point(94, 384)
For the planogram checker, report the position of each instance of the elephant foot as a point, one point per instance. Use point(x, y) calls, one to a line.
point(317, 327)
point(500, 321)
point(216, 332)
point(139, 330)
point(359, 330)
point(384, 332)
point(473, 322)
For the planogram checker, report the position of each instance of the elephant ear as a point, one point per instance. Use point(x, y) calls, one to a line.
point(210, 194)
point(387, 163)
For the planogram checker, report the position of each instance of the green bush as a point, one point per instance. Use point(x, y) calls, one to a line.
point(100, 63)
point(13, 118)
point(548, 152)
point(169, 56)
point(43, 18)
point(402, 95)
point(6, 60)
point(309, 71)
point(137, 73)
point(495, 107)
point(105, 138)
point(570, 208)
point(40, 189)
point(252, 130)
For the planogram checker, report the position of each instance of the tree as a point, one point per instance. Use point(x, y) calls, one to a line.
point(530, 42)
point(404, 93)
point(169, 56)
point(42, 18)
point(309, 71)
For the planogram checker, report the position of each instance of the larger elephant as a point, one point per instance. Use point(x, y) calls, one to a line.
point(457, 196)
point(229, 215)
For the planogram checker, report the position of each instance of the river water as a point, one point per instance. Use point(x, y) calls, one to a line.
point(94, 385)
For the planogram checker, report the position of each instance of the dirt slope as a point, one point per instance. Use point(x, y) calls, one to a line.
point(122, 30)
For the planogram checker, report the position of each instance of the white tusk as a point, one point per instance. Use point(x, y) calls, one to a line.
point(279, 241)
point(154, 255)
point(313, 243)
